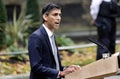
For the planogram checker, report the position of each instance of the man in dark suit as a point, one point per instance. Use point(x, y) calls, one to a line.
point(44, 58)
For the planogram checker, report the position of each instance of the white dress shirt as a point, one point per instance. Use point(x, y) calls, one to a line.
point(50, 35)
point(94, 7)
point(48, 32)
point(54, 48)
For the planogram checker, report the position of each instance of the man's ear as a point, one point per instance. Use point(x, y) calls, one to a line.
point(45, 17)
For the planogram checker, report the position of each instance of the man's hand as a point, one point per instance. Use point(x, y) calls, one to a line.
point(70, 69)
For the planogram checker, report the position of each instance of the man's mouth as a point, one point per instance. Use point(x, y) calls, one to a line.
point(57, 22)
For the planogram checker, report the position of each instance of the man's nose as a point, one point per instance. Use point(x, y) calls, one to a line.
point(59, 17)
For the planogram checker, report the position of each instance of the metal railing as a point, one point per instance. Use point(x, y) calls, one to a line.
point(60, 48)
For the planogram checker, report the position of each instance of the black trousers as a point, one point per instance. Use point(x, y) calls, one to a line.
point(106, 30)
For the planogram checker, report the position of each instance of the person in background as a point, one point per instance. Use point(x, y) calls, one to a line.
point(104, 13)
point(43, 53)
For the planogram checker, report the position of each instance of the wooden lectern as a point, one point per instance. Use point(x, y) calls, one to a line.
point(97, 70)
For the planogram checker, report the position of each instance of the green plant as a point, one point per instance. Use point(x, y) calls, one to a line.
point(32, 8)
point(15, 33)
point(65, 41)
point(3, 20)
point(16, 30)
point(15, 53)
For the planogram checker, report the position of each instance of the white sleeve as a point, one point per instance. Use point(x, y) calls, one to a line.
point(94, 8)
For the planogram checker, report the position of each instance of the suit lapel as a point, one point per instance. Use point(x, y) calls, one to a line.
point(45, 35)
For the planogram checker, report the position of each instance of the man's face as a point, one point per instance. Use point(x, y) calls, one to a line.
point(53, 19)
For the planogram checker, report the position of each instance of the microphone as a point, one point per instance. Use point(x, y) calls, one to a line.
point(99, 44)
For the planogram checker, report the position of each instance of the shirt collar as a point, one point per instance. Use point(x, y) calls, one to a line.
point(47, 30)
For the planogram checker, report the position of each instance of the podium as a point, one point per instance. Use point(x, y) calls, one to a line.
point(97, 70)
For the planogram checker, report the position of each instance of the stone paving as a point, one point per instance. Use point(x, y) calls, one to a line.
point(113, 77)
point(26, 76)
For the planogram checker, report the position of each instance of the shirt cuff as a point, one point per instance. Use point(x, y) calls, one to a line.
point(60, 76)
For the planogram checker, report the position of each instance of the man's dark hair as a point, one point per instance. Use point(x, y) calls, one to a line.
point(47, 8)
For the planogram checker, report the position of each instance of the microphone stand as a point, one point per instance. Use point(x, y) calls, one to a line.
point(105, 54)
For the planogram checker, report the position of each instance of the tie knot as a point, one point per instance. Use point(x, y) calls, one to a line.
point(52, 36)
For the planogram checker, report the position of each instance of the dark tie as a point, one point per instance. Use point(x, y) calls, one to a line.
point(54, 49)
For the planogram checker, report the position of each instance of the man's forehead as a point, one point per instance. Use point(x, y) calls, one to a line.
point(55, 11)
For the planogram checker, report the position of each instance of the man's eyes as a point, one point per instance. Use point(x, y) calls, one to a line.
point(56, 14)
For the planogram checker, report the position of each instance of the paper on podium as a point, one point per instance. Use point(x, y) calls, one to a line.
point(98, 69)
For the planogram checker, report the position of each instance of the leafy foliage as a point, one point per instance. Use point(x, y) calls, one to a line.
point(3, 20)
point(16, 30)
point(64, 41)
point(16, 34)
point(32, 8)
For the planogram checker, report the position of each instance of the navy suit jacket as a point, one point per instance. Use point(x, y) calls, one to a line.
point(42, 61)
